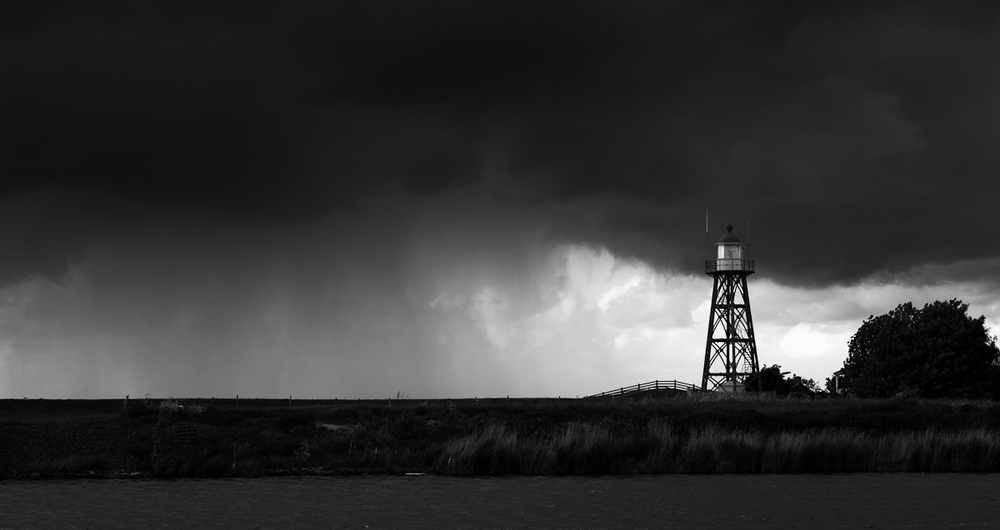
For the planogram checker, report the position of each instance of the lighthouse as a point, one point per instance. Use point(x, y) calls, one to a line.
point(730, 350)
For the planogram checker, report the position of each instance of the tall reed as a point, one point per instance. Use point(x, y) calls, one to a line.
point(659, 448)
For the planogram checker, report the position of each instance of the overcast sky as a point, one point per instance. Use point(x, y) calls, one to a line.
point(451, 199)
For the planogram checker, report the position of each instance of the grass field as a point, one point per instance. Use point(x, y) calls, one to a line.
point(696, 433)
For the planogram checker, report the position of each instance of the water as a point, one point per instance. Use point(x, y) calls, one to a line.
point(664, 501)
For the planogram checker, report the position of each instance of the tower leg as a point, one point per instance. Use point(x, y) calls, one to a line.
point(712, 324)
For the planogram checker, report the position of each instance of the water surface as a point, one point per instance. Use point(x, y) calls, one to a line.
point(661, 501)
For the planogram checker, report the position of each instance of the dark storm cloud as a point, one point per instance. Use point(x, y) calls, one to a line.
point(857, 138)
point(169, 116)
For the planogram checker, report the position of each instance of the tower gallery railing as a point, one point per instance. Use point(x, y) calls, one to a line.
point(724, 265)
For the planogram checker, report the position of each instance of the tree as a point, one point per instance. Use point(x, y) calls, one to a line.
point(809, 385)
point(937, 351)
point(773, 379)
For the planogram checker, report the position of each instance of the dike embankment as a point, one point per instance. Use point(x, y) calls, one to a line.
point(687, 433)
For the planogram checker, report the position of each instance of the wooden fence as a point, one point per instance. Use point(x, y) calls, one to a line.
point(652, 385)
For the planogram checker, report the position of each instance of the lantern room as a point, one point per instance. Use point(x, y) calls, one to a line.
point(731, 254)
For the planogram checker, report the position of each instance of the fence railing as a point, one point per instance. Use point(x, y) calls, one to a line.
point(652, 385)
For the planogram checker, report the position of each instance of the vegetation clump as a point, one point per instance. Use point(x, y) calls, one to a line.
point(699, 433)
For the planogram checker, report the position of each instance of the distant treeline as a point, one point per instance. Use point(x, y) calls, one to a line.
point(697, 433)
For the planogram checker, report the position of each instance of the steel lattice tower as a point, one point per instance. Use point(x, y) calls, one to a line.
point(730, 351)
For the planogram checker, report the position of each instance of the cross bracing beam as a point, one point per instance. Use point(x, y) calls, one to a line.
point(730, 348)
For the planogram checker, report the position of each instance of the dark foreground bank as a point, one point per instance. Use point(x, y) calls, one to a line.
point(698, 433)
point(912, 501)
